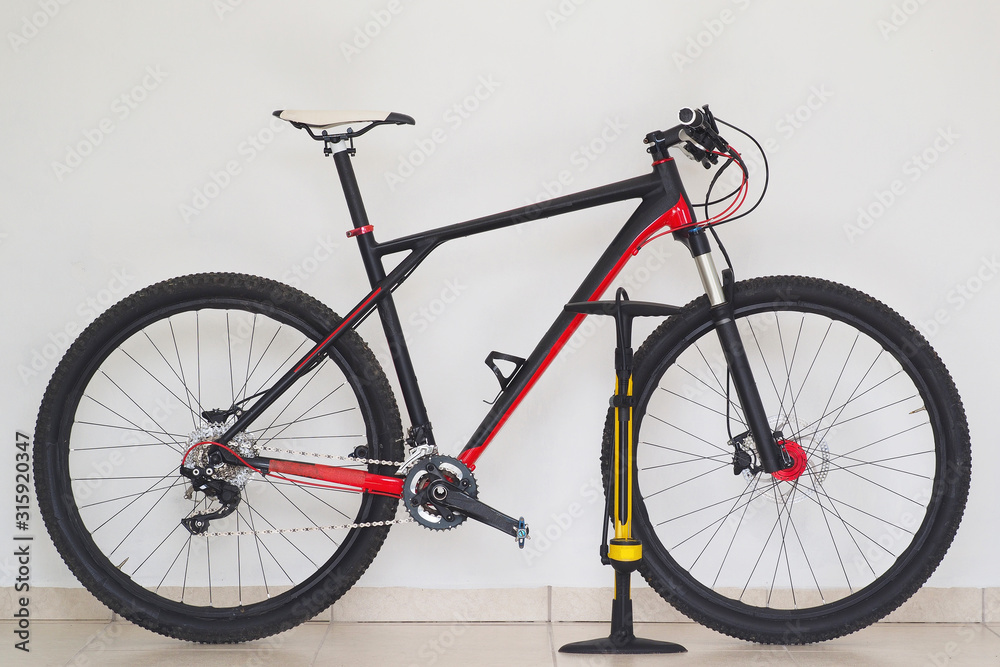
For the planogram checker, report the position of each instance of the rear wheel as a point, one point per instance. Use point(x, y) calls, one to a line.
point(875, 426)
point(130, 400)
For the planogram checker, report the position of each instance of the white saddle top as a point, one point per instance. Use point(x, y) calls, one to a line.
point(324, 119)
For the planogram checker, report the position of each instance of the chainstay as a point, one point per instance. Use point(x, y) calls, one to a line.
point(345, 526)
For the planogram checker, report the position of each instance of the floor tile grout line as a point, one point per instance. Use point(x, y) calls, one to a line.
point(90, 640)
point(322, 642)
point(552, 644)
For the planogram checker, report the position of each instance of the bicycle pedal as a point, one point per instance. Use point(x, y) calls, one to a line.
point(522, 533)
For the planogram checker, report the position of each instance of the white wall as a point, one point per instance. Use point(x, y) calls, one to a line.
point(156, 99)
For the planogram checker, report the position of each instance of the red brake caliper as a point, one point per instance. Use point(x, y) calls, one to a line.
point(798, 462)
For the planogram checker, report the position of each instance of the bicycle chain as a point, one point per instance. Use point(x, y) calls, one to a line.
point(280, 531)
point(346, 526)
point(333, 456)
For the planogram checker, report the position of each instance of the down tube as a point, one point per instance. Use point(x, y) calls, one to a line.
point(592, 288)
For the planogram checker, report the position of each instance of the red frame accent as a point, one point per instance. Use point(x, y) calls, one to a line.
point(361, 480)
point(337, 330)
point(678, 216)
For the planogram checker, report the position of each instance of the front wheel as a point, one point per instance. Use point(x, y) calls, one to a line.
point(139, 392)
point(861, 402)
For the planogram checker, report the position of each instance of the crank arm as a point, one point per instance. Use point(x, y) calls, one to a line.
point(451, 497)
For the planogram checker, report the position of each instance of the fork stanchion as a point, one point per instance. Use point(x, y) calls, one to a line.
point(624, 552)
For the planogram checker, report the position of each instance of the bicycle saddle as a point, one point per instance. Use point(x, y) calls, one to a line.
point(325, 119)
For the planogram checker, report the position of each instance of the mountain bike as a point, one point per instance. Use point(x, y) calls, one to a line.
point(219, 457)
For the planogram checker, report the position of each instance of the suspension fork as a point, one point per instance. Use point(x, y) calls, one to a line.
point(771, 455)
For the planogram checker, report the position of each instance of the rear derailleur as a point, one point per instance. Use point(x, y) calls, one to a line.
point(440, 493)
point(227, 494)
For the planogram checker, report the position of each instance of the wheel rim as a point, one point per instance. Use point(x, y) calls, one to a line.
point(852, 516)
point(138, 414)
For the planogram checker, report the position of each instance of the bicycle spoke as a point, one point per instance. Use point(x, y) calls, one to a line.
point(812, 365)
point(878, 464)
point(690, 400)
point(229, 351)
point(881, 440)
point(789, 364)
point(138, 523)
point(184, 547)
point(157, 548)
point(686, 481)
point(782, 548)
point(753, 497)
point(253, 330)
point(767, 367)
point(688, 433)
point(829, 530)
point(303, 386)
point(710, 539)
point(180, 366)
point(283, 536)
point(715, 391)
point(257, 545)
point(135, 427)
point(115, 515)
point(850, 398)
point(725, 461)
point(801, 433)
point(732, 541)
point(281, 366)
point(244, 391)
point(176, 482)
point(805, 556)
point(283, 426)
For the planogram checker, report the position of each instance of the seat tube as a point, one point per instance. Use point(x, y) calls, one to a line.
point(415, 407)
point(772, 457)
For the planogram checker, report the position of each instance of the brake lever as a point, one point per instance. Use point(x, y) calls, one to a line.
point(698, 149)
point(711, 119)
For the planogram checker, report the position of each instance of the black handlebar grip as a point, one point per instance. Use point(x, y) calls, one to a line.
point(691, 117)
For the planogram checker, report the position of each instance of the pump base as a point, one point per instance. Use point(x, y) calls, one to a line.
point(622, 645)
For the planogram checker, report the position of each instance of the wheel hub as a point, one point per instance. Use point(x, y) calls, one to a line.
point(799, 461)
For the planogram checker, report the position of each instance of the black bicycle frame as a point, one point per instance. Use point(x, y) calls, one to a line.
point(664, 206)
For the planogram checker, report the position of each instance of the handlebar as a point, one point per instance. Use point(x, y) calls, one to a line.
point(697, 135)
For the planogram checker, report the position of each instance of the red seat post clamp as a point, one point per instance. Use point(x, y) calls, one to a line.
point(360, 230)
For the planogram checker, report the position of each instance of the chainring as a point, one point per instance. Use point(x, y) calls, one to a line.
point(421, 506)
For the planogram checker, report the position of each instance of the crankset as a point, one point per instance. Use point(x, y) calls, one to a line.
point(440, 492)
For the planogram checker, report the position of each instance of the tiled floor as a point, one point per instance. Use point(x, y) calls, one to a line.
point(486, 644)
